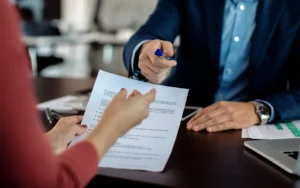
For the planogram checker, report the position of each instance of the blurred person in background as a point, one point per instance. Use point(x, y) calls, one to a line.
point(239, 58)
point(28, 157)
point(32, 28)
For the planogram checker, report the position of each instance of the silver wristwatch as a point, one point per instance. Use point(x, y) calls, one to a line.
point(263, 112)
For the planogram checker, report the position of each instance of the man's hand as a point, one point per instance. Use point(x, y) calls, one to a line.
point(223, 116)
point(156, 69)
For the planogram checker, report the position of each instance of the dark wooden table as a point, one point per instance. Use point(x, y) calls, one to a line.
point(198, 159)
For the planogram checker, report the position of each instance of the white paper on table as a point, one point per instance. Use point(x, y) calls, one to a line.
point(58, 104)
point(278, 131)
point(254, 132)
point(245, 133)
point(149, 145)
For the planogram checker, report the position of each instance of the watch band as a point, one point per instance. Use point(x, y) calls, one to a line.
point(263, 112)
point(137, 75)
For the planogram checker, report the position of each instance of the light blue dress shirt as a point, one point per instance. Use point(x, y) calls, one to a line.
point(239, 23)
point(238, 27)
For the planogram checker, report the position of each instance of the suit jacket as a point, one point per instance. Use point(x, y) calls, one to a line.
point(274, 67)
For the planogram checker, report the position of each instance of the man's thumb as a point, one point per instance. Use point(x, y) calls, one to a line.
point(167, 48)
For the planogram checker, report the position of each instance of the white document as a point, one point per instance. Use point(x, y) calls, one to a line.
point(278, 131)
point(58, 104)
point(66, 104)
point(149, 145)
point(245, 133)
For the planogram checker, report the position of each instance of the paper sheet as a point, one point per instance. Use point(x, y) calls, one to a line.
point(58, 104)
point(278, 131)
point(245, 133)
point(149, 145)
point(66, 104)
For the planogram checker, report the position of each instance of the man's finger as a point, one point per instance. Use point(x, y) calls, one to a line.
point(222, 127)
point(147, 77)
point(210, 123)
point(205, 117)
point(189, 124)
point(163, 63)
point(147, 72)
point(167, 48)
point(156, 69)
point(79, 129)
point(205, 110)
point(150, 96)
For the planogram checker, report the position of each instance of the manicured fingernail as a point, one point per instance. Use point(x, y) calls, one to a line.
point(84, 126)
point(122, 89)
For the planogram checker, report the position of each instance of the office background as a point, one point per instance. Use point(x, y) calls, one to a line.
point(76, 38)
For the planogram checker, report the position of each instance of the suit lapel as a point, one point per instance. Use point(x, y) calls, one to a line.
point(267, 17)
point(214, 12)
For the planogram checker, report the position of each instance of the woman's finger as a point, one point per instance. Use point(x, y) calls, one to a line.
point(150, 96)
point(136, 93)
point(80, 129)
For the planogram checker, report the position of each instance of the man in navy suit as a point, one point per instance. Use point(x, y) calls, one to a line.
point(239, 58)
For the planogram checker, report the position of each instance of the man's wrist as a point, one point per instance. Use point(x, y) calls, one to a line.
point(263, 112)
point(271, 108)
point(136, 72)
point(137, 75)
point(255, 119)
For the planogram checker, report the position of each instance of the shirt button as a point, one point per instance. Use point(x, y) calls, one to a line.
point(236, 39)
point(242, 7)
point(229, 71)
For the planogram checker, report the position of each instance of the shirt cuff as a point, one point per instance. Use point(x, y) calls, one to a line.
point(134, 53)
point(272, 115)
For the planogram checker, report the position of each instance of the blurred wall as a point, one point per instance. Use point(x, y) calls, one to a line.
point(123, 17)
point(78, 14)
point(118, 14)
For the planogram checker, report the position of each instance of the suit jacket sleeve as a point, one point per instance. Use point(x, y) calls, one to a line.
point(163, 24)
point(287, 103)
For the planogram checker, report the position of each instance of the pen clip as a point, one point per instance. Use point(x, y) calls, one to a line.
point(49, 116)
point(53, 116)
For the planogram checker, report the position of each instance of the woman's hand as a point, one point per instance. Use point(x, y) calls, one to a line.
point(120, 116)
point(123, 113)
point(64, 132)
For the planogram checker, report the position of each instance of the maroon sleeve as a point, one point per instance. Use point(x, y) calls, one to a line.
point(26, 159)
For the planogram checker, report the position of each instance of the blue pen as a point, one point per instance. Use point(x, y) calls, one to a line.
point(161, 54)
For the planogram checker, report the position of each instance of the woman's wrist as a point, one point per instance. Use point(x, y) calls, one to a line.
point(53, 141)
point(102, 137)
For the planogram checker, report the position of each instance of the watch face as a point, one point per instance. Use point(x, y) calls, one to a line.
point(264, 110)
